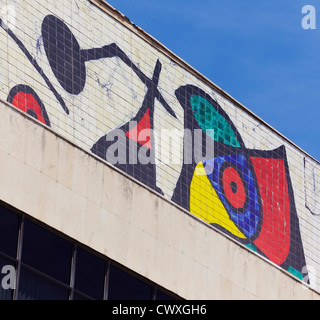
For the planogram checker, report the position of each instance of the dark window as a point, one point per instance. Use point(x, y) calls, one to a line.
point(45, 267)
point(35, 287)
point(46, 252)
point(90, 273)
point(123, 286)
point(162, 296)
point(77, 296)
point(9, 228)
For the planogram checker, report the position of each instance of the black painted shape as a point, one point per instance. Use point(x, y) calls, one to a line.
point(145, 173)
point(67, 59)
point(64, 54)
point(36, 66)
point(234, 187)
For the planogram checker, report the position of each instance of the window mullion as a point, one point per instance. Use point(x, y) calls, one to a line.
point(19, 256)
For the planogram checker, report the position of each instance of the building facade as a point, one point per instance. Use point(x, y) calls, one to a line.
point(126, 164)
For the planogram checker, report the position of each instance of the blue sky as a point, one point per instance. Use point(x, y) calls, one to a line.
point(257, 51)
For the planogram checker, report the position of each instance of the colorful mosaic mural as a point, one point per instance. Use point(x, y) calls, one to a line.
point(102, 86)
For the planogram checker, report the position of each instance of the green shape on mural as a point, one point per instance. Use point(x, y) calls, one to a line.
point(295, 273)
point(209, 118)
point(252, 247)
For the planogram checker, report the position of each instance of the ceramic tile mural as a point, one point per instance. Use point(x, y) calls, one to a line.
point(76, 69)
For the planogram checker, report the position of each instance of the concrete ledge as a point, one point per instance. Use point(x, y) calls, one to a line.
point(52, 180)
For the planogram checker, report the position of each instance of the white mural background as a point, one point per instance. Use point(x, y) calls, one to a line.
point(113, 94)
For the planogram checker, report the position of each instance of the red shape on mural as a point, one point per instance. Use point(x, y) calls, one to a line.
point(233, 187)
point(141, 132)
point(274, 237)
point(25, 102)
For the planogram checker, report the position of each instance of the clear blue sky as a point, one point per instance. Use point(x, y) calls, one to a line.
point(257, 51)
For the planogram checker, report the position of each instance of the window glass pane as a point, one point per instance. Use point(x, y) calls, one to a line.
point(162, 296)
point(123, 286)
point(9, 227)
point(7, 278)
point(77, 296)
point(34, 287)
point(46, 252)
point(89, 277)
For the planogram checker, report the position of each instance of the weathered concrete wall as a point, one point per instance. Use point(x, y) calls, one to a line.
point(71, 190)
point(85, 71)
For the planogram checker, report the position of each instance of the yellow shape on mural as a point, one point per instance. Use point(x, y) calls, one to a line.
point(205, 203)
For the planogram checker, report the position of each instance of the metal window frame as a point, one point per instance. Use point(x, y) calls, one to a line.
point(17, 260)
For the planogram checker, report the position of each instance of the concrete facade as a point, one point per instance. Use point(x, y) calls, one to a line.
point(137, 155)
point(89, 200)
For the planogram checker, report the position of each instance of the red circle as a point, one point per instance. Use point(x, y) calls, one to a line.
point(25, 101)
point(233, 187)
